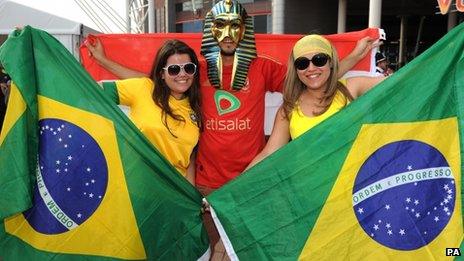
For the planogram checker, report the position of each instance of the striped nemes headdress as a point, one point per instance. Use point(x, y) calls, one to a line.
point(244, 54)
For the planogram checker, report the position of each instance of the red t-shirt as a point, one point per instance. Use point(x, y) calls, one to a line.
point(233, 121)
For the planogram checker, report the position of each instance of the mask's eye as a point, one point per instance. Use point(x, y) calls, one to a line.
point(236, 24)
point(219, 24)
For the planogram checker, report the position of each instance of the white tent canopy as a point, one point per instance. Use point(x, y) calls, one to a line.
point(68, 32)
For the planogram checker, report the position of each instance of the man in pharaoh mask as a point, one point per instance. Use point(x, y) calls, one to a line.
point(233, 100)
point(233, 94)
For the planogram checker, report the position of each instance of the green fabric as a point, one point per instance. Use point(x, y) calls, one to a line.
point(111, 90)
point(165, 205)
point(269, 211)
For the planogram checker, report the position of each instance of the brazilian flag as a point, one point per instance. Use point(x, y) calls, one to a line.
point(380, 180)
point(77, 179)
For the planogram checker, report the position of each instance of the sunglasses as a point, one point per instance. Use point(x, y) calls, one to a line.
point(174, 69)
point(318, 60)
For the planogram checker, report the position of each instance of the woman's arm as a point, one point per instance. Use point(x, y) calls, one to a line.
point(357, 86)
point(363, 46)
point(279, 137)
point(191, 169)
point(96, 50)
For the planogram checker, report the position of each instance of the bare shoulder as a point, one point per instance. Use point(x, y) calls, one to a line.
point(357, 86)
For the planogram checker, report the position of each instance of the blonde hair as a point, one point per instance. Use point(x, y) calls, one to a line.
point(293, 87)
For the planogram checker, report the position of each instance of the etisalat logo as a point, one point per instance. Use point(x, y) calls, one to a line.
point(404, 194)
point(225, 102)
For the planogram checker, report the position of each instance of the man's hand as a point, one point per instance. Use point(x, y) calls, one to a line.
point(5, 88)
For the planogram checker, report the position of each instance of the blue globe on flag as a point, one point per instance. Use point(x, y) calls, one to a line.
point(404, 194)
point(72, 178)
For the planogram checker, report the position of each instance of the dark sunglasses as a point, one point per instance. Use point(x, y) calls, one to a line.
point(318, 60)
point(174, 69)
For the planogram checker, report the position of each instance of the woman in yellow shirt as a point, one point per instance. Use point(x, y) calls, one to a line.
point(312, 91)
point(166, 106)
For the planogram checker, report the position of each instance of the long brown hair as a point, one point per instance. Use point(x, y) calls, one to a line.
point(293, 87)
point(162, 92)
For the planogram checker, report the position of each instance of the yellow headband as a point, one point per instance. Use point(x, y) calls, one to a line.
point(312, 43)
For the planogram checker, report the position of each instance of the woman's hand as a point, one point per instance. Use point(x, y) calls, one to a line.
point(205, 206)
point(364, 46)
point(95, 48)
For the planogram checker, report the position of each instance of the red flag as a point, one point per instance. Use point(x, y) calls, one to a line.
point(137, 51)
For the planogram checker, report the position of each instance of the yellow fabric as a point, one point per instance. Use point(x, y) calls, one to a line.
point(312, 43)
point(15, 109)
point(147, 116)
point(300, 123)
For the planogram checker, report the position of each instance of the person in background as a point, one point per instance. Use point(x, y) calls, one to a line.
point(390, 69)
point(166, 105)
point(312, 92)
point(381, 64)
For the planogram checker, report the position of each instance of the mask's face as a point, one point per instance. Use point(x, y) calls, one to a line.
point(228, 25)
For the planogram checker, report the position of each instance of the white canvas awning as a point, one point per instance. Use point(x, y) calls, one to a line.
point(68, 32)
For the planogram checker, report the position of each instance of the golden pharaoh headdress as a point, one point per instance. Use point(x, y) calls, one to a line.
point(244, 54)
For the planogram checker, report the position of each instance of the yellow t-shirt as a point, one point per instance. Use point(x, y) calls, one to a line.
point(147, 116)
point(300, 123)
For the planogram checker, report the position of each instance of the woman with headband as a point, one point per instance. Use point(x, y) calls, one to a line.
point(312, 92)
